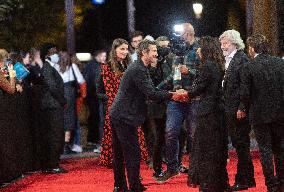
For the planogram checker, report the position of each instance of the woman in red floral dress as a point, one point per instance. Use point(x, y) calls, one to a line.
point(107, 87)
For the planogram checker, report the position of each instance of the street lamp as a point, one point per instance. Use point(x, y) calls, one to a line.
point(197, 8)
point(98, 2)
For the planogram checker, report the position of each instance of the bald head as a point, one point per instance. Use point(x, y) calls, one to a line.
point(188, 33)
point(187, 27)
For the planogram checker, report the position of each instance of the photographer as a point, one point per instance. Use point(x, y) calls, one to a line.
point(156, 118)
point(182, 77)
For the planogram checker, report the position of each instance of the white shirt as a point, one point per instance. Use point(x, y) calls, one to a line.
point(134, 57)
point(67, 75)
point(229, 59)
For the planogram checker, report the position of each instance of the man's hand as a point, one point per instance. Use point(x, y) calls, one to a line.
point(183, 69)
point(241, 114)
point(180, 95)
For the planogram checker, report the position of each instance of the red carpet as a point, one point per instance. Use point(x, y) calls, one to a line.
point(85, 175)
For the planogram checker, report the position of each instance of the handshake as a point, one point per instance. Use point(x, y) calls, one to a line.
point(180, 95)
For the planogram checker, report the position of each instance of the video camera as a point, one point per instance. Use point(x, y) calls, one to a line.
point(178, 45)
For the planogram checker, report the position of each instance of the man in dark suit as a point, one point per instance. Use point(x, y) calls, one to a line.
point(262, 88)
point(91, 74)
point(232, 46)
point(128, 112)
point(50, 115)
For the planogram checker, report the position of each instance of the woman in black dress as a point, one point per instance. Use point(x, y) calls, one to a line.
point(208, 165)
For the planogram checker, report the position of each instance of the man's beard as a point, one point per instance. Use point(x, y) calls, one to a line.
point(226, 53)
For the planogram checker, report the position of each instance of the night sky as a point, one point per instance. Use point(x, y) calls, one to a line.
point(106, 22)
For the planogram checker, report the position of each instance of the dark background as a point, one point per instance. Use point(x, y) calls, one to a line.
point(103, 23)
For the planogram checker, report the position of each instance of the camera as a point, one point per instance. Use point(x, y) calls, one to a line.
point(163, 52)
point(179, 46)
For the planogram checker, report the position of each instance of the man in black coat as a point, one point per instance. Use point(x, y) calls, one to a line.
point(232, 46)
point(91, 74)
point(262, 88)
point(50, 115)
point(128, 112)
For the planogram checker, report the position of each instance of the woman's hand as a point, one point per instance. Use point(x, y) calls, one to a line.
point(19, 88)
point(12, 72)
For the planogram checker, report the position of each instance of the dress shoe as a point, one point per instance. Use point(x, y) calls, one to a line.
point(239, 187)
point(191, 183)
point(141, 189)
point(55, 171)
point(251, 183)
point(273, 189)
point(168, 175)
point(119, 189)
point(281, 188)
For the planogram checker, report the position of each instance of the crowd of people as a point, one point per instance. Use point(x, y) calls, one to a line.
point(156, 101)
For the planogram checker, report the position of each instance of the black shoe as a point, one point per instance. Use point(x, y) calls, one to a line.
point(55, 171)
point(239, 187)
point(67, 149)
point(281, 187)
point(251, 184)
point(119, 189)
point(167, 176)
point(191, 183)
point(273, 189)
point(183, 169)
point(227, 188)
point(158, 174)
point(141, 188)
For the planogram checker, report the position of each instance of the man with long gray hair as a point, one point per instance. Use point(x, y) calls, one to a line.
point(232, 46)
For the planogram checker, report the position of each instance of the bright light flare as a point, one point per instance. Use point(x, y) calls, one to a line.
point(84, 56)
point(178, 28)
point(197, 8)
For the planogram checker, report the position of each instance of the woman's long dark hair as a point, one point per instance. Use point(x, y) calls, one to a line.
point(211, 50)
point(116, 66)
point(16, 57)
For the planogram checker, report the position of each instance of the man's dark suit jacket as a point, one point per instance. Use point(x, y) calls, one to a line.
point(53, 92)
point(91, 74)
point(231, 87)
point(263, 88)
point(135, 87)
point(208, 85)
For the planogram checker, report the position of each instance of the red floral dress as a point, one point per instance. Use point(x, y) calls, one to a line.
point(111, 84)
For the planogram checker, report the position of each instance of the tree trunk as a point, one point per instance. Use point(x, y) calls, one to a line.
point(131, 16)
point(69, 9)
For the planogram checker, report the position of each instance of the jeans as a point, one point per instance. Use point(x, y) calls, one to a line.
point(190, 123)
point(176, 113)
point(77, 134)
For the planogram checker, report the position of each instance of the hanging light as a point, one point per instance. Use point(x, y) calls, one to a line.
point(197, 8)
